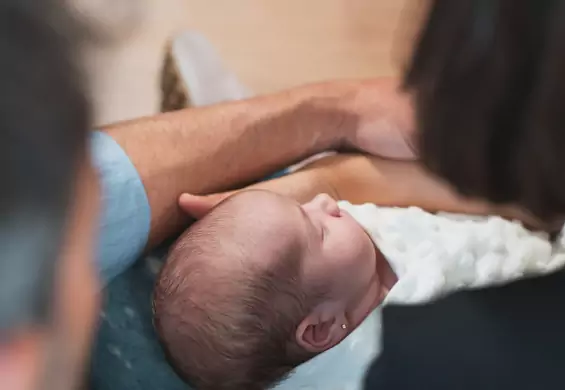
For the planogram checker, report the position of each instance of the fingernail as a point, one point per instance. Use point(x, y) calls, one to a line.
point(185, 196)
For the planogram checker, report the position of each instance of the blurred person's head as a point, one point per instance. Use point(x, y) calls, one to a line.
point(47, 202)
point(488, 78)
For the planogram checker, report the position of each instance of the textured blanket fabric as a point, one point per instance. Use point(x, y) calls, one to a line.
point(433, 255)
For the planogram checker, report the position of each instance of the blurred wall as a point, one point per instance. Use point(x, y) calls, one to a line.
point(271, 44)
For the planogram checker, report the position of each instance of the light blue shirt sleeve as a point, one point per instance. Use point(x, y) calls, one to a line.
point(126, 216)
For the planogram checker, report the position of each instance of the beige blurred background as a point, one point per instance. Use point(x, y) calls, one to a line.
point(270, 44)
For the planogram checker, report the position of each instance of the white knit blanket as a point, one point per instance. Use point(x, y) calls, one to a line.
point(436, 254)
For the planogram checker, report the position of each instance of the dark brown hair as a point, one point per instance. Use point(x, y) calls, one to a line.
point(44, 121)
point(488, 79)
point(230, 329)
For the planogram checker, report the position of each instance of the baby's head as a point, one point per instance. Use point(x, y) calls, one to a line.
point(260, 285)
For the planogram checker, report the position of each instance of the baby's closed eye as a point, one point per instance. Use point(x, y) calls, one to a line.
point(323, 232)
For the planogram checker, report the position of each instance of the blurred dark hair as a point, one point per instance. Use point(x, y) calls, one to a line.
point(488, 79)
point(43, 127)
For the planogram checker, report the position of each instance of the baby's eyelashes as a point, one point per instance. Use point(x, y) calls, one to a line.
point(323, 233)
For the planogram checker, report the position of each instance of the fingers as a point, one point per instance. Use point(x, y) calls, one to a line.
point(195, 206)
point(198, 206)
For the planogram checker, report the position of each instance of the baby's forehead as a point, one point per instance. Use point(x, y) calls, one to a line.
point(263, 218)
point(253, 202)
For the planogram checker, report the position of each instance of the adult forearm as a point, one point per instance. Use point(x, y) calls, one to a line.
point(364, 179)
point(214, 148)
point(360, 179)
point(301, 186)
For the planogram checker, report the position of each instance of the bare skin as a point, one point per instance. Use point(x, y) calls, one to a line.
point(220, 147)
point(365, 179)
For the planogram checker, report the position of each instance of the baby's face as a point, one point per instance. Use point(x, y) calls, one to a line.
point(341, 255)
point(335, 251)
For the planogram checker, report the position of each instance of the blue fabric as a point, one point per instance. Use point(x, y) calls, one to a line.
point(282, 173)
point(126, 216)
point(126, 353)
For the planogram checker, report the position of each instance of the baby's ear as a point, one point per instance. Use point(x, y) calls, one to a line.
point(321, 330)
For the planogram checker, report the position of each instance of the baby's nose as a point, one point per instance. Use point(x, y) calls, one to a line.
point(328, 204)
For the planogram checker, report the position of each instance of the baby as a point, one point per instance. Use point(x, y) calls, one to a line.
point(263, 284)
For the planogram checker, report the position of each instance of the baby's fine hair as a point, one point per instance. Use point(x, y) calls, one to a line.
point(234, 327)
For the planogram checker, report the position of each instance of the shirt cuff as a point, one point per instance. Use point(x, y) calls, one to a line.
point(126, 215)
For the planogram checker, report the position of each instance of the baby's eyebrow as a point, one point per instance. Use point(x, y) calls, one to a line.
point(304, 215)
point(309, 223)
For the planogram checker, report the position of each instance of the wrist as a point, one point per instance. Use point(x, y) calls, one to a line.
point(338, 118)
point(376, 118)
point(353, 116)
point(349, 116)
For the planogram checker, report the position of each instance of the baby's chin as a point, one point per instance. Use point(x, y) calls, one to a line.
point(387, 277)
point(373, 299)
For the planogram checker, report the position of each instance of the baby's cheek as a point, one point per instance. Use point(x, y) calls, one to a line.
point(344, 254)
point(366, 252)
point(356, 249)
point(347, 242)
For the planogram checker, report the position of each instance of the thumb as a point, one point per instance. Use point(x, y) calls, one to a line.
point(198, 206)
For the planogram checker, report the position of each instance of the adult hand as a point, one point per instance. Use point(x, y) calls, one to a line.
point(317, 177)
point(385, 120)
point(198, 206)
